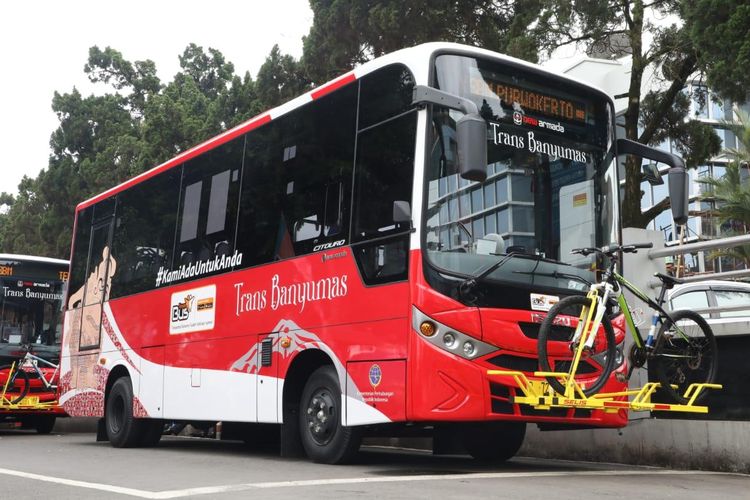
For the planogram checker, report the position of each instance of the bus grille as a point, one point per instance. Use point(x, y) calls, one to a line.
point(558, 333)
point(515, 363)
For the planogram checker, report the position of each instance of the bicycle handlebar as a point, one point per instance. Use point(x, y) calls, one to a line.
point(611, 249)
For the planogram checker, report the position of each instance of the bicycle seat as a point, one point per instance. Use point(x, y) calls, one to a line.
point(669, 281)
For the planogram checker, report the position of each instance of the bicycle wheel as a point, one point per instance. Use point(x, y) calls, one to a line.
point(556, 347)
point(18, 386)
point(685, 353)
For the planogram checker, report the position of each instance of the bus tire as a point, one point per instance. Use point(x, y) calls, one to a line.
point(44, 423)
point(324, 438)
point(493, 441)
point(123, 429)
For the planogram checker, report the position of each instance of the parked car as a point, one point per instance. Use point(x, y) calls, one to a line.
point(732, 296)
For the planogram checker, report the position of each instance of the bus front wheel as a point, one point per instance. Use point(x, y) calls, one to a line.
point(324, 438)
point(493, 441)
point(44, 423)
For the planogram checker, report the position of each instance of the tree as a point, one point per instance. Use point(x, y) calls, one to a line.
point(346, 33)
point(102, 140)
point(280, 78)
point(719, 28)
point(661, 113)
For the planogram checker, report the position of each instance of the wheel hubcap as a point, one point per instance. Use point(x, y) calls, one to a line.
point(321, 416)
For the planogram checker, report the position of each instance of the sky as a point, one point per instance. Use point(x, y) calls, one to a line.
point(44, 46)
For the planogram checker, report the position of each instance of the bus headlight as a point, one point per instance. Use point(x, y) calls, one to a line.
point(469, 348)
point(447, 338)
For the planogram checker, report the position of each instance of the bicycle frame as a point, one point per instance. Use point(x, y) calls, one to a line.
point(591, 317)
point(660, 312)
point(30, 360)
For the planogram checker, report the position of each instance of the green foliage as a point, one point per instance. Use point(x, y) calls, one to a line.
point(349, 32)
point(719, 28)
point(280, 79)
point(103, 140)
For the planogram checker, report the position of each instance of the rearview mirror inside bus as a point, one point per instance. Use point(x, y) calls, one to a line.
point(678, 176)
point(401, 211)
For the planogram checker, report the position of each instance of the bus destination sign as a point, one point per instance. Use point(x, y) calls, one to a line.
point(529, 100)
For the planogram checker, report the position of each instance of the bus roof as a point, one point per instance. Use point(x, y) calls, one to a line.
point(33, 258)
point(417, 58)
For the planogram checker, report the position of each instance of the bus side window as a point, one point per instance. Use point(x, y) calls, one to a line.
point(296, 182)
point(208, 211)
point(144, 233)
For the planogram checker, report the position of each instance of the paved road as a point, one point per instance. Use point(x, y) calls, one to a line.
point(74, 466)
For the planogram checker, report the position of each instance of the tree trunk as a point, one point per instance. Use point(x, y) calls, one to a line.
point(631, 203)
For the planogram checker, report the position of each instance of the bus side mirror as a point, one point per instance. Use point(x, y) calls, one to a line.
point(678, 176)
point(471, 135)
point(471, 130)
point(679, 194)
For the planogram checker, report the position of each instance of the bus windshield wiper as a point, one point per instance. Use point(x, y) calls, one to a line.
point(557, 275)
point(469, 283)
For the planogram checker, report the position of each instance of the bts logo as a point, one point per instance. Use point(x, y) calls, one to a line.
point(181, 311)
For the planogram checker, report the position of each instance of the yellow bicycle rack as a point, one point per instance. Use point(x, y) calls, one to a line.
point(29, 403)
point(540, 395)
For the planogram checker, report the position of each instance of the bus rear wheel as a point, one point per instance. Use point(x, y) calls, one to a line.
point(493, 441)
point(324, 438)
point(123, 429)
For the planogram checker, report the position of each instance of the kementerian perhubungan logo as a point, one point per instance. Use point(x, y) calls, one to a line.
point(375, 376)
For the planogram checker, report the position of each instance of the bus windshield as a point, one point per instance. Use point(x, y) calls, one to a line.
point(31, 291)
point(551, 181)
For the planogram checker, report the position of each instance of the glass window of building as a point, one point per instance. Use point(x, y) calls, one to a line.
point(477, 202)
point(489, 195)
point(501, 187)
point(521, 188)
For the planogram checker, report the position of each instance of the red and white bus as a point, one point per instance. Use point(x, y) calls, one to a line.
point(342, 264)
point(31, 298)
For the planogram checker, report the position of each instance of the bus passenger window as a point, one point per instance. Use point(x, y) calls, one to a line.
point(208, 211)
point(144, 233)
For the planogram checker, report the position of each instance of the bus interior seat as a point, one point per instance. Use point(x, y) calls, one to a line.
point(499, 243)
point(186, 258)
point(204, 254)
point(222, 249)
